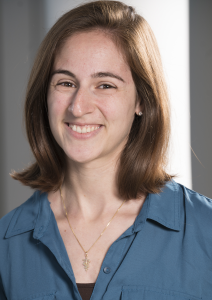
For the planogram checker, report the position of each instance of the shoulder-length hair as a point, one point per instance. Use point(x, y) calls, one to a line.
point(142, 163)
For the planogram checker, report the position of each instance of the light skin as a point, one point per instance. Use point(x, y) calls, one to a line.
point(98, 89)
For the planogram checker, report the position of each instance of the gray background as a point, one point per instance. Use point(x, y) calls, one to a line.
point(22, 28)
point(201, 94)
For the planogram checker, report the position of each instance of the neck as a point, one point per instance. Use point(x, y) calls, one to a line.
point(90, 191)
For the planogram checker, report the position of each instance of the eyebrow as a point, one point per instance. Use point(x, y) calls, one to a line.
point(95, 75)
point(66, 72)
point(106, 74)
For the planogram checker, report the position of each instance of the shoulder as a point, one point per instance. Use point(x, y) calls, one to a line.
point(20, 220)
point(198, 210)
point(5, 221)
point(178, 206)
point(196, 202)
point(185, 211)
point(192, 200)
point(22, 216)
point(195, 214)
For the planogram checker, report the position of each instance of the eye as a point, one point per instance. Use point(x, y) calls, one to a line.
point(106, 86)
point(66, 84)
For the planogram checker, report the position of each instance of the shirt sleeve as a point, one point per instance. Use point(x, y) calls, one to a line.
point(2, 293)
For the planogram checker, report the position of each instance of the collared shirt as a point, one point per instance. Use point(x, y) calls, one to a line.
point(165, 255)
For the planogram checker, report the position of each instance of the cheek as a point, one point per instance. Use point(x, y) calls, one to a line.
point(56, 107)
point(120, 107)
point(55, 117)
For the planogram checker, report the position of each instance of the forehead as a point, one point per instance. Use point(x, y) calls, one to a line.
point(94, 49)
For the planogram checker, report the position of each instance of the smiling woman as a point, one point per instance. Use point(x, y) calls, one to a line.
point(85, 93)
point(97, 120)
point(144, 153)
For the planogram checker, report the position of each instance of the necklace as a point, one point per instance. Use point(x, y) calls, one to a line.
point(86, 261)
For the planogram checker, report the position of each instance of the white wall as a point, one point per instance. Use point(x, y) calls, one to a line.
point(169, 21)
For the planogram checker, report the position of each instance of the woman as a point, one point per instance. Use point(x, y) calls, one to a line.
point(105, 219)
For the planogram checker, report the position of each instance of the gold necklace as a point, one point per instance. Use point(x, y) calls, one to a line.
point(86, 261)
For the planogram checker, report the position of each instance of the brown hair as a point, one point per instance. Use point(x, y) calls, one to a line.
point(143, 160)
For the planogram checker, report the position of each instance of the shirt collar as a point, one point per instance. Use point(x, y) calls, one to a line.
point(164, 207)
point(35, 213)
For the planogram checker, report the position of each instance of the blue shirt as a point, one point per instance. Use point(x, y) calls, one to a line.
point(165, 255)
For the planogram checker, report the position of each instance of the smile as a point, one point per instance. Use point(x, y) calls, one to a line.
point(84, 129)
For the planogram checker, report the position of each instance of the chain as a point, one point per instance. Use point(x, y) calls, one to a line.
point(86, 261)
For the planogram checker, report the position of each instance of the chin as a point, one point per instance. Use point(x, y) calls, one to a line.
point(82, 159)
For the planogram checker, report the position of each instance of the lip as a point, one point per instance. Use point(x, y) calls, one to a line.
point(82, 124)
point(83, 136)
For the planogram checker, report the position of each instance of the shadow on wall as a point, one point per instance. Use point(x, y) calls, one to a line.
point(201, 94)
point(22, 30)
point(2, 149)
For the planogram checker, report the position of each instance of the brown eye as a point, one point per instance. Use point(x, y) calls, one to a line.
point(66, 84)
point(106, 86)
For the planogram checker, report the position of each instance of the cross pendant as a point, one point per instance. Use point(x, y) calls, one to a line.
point(86, 262)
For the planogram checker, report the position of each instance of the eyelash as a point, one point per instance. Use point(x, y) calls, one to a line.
point(70, 84)
point(108, 85)
point(65, 83)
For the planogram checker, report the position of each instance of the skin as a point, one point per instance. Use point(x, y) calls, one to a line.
point(89, 188)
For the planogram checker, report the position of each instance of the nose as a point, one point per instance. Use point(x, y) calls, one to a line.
point(81, 103)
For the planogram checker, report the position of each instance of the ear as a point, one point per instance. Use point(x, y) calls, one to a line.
point(138, 106)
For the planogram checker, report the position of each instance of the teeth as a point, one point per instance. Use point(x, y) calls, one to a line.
point(84, 129)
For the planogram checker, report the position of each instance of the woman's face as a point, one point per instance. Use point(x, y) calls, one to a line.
point(91, 85)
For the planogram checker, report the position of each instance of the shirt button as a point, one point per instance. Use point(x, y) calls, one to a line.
point(107, 270)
